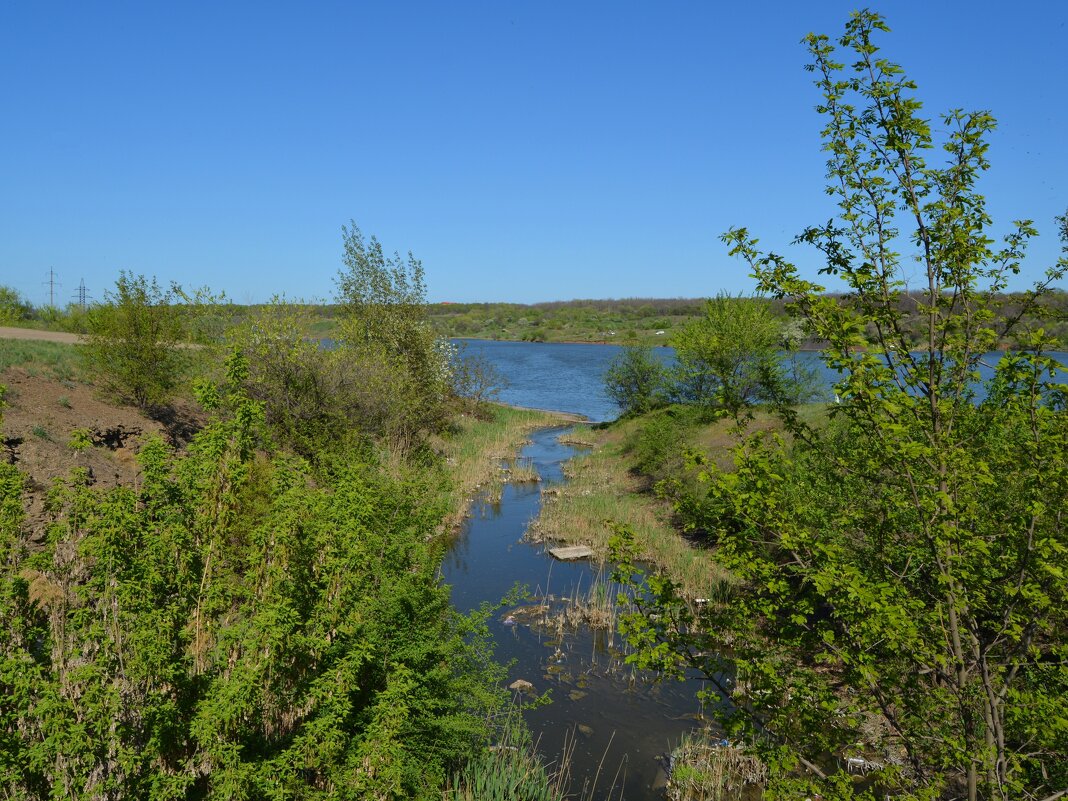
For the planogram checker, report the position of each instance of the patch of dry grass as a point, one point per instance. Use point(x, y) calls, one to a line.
point(481, 453)
point(601, 488)
point(703, 769)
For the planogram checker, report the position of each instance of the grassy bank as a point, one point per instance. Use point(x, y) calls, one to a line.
point(605, 485)
point(618, 480)
point(54, 360)
point(476, 448)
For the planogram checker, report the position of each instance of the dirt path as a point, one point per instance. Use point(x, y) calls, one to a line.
point(7, 332)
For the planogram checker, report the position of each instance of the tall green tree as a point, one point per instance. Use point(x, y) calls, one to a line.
point(905, 600)
point(134, 340)
point(734, 355)
point(384, 318)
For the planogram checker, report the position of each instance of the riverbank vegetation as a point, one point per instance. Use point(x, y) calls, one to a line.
point(480, 453)
point(252, 607)
point(900, 601)
point(617, 480)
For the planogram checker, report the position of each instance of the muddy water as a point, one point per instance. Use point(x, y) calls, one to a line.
point(618, 725)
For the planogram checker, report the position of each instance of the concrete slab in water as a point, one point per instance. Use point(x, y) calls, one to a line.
point(572, 552)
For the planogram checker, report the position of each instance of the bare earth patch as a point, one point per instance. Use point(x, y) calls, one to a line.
point(39, 421)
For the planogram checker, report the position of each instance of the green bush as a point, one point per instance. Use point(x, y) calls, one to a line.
point(134, 341)
point(636, 380)
point(237, 626)
point(732, 356)
point(314, 397)
point(80, 439)
point(658, 442)
point(13, 308)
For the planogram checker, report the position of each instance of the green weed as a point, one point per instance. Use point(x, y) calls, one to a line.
point(49, 359)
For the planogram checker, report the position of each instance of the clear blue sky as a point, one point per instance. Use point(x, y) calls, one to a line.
point(524, 151)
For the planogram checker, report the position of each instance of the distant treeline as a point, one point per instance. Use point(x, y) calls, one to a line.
point(647, 320)
point(653, 320)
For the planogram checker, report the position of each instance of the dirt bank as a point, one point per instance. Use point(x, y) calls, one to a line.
point(41, 417)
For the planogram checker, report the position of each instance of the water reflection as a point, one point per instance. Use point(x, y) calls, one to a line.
point(617, 725)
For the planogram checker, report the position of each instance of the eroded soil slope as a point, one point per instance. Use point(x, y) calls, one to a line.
point(39, 422)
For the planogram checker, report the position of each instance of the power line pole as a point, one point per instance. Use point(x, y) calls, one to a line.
point(83, 294)
point(52, 284)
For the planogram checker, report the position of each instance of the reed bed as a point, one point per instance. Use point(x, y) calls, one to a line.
point(478, 447)
point(520, 471)
point(506, 773)
point(598, 607)
point(704, 768)
point(510, 770)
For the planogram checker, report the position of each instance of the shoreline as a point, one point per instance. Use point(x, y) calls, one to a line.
point(567, 417)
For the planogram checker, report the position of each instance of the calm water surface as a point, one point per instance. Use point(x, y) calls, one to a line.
point(570, 377)
point(552, 375)
point(616, 723)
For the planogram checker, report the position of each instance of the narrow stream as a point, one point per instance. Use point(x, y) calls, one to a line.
point(618, 726)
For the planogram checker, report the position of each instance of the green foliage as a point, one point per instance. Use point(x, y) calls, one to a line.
point(13, 308)
point(636, 380)
point(904, 565)
point(314, 396)
point(658, 442)
point(80, 439)
point(236, 627)
point(733, 357)
point(134, 339)
point(383, 322)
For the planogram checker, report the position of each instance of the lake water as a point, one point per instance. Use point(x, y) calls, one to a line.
point(562, 377)
point(570, 377)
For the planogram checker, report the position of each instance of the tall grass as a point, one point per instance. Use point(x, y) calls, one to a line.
point(478, 448)
point(54, 360)
point(511, 770)
point(602, 488)
point(597, 607)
